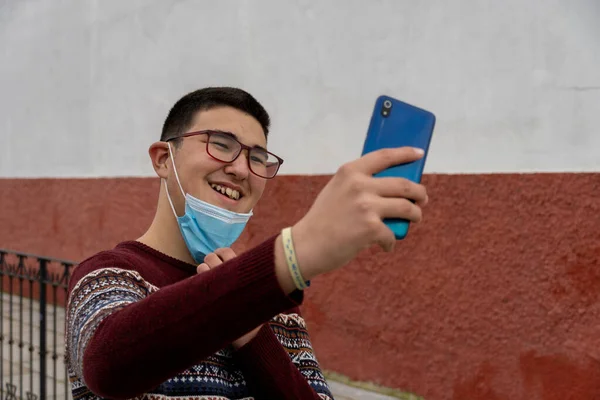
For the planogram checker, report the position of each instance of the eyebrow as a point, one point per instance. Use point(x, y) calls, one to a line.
point(233, 135)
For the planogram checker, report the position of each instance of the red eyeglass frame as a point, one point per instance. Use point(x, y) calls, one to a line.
point(232, 137)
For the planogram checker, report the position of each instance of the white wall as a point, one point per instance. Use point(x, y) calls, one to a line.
point(85, 85)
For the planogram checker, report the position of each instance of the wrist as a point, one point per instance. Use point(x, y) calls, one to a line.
point(281, 268)
point(292, 262)
point(306, 249)
point(296, 264)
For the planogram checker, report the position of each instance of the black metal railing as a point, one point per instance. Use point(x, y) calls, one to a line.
point(33, 292)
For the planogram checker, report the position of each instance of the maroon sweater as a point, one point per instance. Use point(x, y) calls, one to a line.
point(142, 324)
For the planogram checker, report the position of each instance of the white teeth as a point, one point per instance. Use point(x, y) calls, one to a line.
point(229, 192)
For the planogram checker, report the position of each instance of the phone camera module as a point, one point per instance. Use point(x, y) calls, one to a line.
point(386, 109)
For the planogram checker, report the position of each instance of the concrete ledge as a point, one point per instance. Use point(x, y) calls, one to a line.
point(344, 388)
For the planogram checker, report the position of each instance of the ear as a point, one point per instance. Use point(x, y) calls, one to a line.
point(159, 155)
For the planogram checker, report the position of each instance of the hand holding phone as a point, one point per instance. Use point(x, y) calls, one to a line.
point(369, 200)
point(348, 214)
point(398, 124)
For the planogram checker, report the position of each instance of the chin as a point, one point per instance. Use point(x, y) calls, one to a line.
point(243, 206)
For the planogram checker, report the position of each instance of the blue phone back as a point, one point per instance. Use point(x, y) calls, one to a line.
point(405, 125)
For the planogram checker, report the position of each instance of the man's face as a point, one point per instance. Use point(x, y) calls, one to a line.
point(201, 175)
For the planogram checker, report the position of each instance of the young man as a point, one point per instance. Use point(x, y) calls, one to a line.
point(176, 314)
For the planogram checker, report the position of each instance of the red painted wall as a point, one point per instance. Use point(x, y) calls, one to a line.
point(494, 296)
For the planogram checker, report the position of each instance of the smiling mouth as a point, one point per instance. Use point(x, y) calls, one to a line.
point(229, 192)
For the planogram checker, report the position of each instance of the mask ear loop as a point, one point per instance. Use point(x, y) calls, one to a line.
point(175, 169)
point(176, 177)
point(169, 197)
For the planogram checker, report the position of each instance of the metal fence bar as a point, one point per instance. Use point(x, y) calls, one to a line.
point(43, 350)
point(31, 346)
point(9, 386)
point(2, 324)
point(54, 348)
point(26, 279)
point(64, 284)
point(21, 273)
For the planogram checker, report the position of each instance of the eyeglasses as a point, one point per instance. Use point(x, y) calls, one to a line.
point(224, 147)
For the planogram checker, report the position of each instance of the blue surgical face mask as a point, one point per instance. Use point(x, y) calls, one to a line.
point(206, 227)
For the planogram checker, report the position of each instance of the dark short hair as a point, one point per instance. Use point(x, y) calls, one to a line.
point(182, 114)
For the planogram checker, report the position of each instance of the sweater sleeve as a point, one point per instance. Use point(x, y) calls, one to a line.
point(280, 362)
point(124, 337)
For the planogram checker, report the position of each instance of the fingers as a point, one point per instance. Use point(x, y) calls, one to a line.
point(377, 161)
point(218, 257)
point(225, 253)
point(399, 208)
point(399, 187)
point(202, 268)
point(386, 239)
point(394, 208)
point(212, 260)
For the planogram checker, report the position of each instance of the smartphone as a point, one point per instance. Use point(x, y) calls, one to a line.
point(398, 124)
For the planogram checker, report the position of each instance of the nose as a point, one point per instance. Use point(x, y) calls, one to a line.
point(239, 166)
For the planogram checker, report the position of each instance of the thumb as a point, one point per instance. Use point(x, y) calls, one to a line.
point(386, 240)
point(202, 268)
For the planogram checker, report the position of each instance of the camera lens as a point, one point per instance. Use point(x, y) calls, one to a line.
point(387, 104)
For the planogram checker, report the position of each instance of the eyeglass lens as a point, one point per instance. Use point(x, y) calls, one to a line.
point(226, 149)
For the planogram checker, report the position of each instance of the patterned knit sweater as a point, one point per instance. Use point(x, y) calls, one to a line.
point(143, 325)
